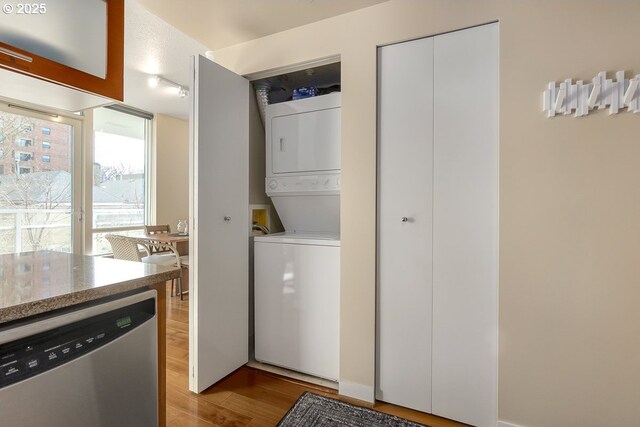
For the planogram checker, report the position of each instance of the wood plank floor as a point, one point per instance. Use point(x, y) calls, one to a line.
point(248, 397)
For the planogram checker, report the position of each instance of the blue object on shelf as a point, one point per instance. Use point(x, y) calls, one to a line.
point(304, 92)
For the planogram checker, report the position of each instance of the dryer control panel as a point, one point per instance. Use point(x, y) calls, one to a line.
point(317, 184)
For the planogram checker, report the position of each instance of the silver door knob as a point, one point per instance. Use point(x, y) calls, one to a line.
point(405, 219)
point(227, 218)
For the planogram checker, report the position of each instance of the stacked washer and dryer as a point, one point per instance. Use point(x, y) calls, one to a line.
point(297, 273)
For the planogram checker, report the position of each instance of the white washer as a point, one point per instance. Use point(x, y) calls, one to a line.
point(297, 302)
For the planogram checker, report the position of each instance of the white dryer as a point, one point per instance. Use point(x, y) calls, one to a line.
point(297, 273)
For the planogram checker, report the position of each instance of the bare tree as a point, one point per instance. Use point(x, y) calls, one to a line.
point(42, 197)
point(112, 172)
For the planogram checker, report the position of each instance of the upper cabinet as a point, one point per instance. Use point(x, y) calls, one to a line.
point(75, 43)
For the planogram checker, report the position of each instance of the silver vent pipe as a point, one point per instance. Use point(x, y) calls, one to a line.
point(262, 96)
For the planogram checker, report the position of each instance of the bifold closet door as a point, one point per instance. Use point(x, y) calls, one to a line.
point(465, 226)
point(405, 185)
point(438, 225)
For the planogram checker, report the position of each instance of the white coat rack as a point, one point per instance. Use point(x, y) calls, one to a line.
point(601, 93)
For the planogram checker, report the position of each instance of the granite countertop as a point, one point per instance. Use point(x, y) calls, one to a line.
point(36, 282)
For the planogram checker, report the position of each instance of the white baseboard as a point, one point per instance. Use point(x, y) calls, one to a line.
point(506, 424)
point(357, 391)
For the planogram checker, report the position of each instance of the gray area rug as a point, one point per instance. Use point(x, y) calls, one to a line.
point(312, 410)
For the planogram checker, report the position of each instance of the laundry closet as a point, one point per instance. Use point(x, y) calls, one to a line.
point(437, 217)
point(297, 272)
point(437, 290)
point(292, 296)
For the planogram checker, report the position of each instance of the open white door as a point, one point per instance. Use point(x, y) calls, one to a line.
point(219, 223)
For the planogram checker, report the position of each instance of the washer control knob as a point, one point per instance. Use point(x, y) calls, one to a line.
point(273, 184)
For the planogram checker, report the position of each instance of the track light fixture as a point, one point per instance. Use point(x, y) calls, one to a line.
point(156, 80)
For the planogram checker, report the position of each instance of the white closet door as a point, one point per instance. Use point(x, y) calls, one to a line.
point(404, 223)
point(219, 218)
point(465, 226)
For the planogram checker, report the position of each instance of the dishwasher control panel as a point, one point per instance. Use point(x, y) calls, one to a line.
point(30, 356)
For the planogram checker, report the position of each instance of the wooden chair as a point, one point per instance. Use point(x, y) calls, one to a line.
point(128, 248)
point(157, 229)
point(184, 261)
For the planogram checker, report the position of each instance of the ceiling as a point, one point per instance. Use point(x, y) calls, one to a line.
point(154, 47)
point(223, 23)
point(161, 35)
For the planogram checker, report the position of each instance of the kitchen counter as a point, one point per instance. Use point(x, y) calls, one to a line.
point(37, 282)
point(32, 283)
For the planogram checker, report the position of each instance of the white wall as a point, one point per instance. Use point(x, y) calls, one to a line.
point(569, 197)
point(171, 146)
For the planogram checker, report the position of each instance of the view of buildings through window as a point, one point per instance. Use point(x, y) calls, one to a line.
point(35, 184)
point(119, 159)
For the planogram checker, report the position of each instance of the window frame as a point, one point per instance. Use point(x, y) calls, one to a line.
point(149, 196)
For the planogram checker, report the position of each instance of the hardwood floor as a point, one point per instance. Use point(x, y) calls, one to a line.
point(248, 397)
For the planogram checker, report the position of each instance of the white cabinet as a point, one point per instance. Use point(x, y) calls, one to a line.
point(304, 135)
point(438, 225)
point(297, 304)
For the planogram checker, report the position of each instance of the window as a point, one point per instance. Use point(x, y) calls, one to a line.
point(46, 158)
point(46, 131)
point(120, 157)
point(37, 203)
point(26, 128)
point(46, 144)
point(23, 157)
point(24, 142)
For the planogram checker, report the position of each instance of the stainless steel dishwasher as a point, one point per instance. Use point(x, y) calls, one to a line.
point(95, 366)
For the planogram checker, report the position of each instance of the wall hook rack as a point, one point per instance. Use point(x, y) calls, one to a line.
point(580, 98)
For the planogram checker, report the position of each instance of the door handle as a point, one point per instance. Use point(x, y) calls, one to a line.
point(281, 144)
point(405, 219)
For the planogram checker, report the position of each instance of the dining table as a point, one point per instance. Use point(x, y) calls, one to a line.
point(180, 243)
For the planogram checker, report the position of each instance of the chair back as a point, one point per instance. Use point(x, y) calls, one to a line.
point(124, 248)
point(157, 229)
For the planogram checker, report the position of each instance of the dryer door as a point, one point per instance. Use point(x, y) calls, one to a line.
point(306, 142)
